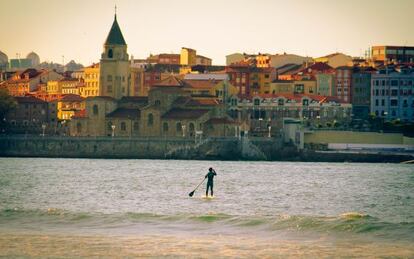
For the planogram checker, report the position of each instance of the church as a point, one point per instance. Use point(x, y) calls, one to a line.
point(169, 110)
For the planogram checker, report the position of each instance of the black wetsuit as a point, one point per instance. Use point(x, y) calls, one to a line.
point(210, 175)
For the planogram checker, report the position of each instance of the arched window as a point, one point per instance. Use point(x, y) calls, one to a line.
point(178, 128)
point(191, 128)
point(123, 126)
point(165, 126)
point(109, 126)
point(136, 126)
point(150, 119)
point(110, 53)
point(79, 128)
point(95, 110)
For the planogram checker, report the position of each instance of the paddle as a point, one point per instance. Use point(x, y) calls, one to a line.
point(192, 193)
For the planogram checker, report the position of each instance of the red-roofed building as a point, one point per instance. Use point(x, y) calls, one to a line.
point(250, 79)
point(27, 81)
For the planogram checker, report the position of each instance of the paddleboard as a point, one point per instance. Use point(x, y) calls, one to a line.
point(207, 197)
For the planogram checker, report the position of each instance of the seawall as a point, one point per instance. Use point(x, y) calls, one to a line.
point(229, 148)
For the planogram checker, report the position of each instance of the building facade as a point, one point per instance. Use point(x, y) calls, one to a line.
point(265, 113)
point(361, 92)
point(392, 93)
point(326, 84)
point(188, 57)
point(343, 86)
point(393, 54)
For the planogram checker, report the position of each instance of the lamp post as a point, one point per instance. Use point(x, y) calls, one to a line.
point(43, 129)
point(183, 130)
point(260, 125)
point(269, 127)
point(63, 123)
point(113, 130)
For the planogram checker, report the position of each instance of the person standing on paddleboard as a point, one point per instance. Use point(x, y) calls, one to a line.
point(210, 182)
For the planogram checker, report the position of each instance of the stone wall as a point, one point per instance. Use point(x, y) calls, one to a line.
point(107, 147)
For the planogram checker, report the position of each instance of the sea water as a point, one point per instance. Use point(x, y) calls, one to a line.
point(126, 208)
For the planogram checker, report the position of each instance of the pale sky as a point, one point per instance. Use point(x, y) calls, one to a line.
point(77, 29)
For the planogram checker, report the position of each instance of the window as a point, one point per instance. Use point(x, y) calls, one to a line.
point(394, 92)
point(191, 128)
point(178, 127)
point(110, 53)
point(394, 82)
point(376, 102)
point(256, 101)
point(394, 102)
point(305, 102)
point(281, 102)
point(157, 102)
point(165, 127)
point(109, 78)
point(136, 126)
point(123, 126)
point(95, 110)
point(382, 102)
point(79, 128)
point(150, 119)
point(109, 126)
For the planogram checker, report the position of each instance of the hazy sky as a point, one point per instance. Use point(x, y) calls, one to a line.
point(77, 29)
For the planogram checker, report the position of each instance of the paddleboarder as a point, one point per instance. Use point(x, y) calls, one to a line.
point(210, 182)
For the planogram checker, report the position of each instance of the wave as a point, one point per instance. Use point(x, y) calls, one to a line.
point(351, 222)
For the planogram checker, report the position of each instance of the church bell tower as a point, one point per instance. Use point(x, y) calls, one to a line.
point(114, 65)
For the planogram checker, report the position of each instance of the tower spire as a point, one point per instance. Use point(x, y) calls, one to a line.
point(115, 12)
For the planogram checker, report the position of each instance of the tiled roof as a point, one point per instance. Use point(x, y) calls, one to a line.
point(125, 113)
point(202, 102)
point(178, 113)
point(68, 79)
point(29, 99)
point(208, 76)
point(134, 99)
point(72, 98)
point(201, 84)
point(171, 81)
point(318, 67)
point(193, 102)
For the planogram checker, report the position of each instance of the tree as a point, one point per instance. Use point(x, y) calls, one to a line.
point(7, 103)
